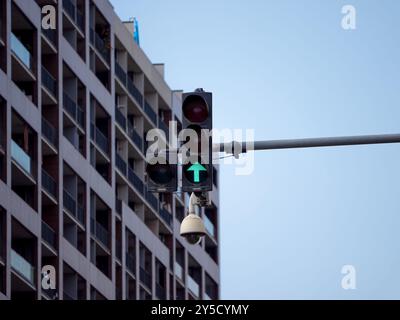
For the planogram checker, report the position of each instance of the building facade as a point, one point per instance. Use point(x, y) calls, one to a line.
point(75, 105)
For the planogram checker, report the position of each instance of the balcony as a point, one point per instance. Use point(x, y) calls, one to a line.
point(22, 53)
point(75, 15)
point(166, 216)
point(118, 250)
point(134, 92)
point(100, 139)
point(209, 226)
point(48, 234)
point(49, 184)
point(100, 45)
point(118, 206)
point(120, 73)
point(67, 296)
point(21, 157)
point(49, 132)
point(178, 271)
point(160, 292)
point(72, 207)
point(22, 267)
point(150, 112)
point(51, 35)
point(49, 82)
point(100, 232)
point(120, 164)
point(130, 262)
point(120, 118)
point(75, 112)
point(152, 200)
point(163, 126)
point(135, 181)
point(135, 137)
point(193, 286)
point(145, 277)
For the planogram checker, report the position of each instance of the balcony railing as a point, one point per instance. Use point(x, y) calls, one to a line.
point(209, 226)
point(99, 137)
point(49, 184)
point(178, 270)
point(152, 200)
point(50, 34)
point(134, 91)
point(100, 45)
point(135, 180)
point(71, 205)
point(80, 20)
point(49, 132)
point(69, 8)
point(49, 82)
point(23, 267)
point(21, 157)
point(130, 262)
point(68, 296)
point(160, 292)
point(48, 234)
point(166, 216)
point(193, 286)
point(120, 164)
point(118, 250)
point(21, 51)
point(100, 232)
point(120, 118)
point(135, 137)
point(74, 110)
point(163, 126)
point(145, 277)
point(207, 297)
point(150, 112)
point(120, 73)
point(118, 206)
point(74, 14)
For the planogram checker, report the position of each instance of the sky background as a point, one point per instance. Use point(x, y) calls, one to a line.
point(288, 70)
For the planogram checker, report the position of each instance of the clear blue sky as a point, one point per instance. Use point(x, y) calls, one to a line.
point(287, 69)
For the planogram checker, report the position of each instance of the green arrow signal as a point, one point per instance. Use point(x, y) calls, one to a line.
point(196, 168)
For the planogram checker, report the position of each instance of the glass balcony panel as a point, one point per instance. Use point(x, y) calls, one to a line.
point(21, 157)
point(178, 270)
point(193, 286)
point(21, 51)
point(209, 226)
point(23, 267)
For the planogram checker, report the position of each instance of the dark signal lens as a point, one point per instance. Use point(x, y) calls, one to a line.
point(195, 109)
point(160, 173)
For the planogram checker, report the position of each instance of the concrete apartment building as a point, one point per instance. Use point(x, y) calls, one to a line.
point(75, 105)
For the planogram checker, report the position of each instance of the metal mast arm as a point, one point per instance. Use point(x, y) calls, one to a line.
point(236, 148)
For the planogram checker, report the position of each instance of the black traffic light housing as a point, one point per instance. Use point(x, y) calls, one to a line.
point(197, 115)
point(162, 175)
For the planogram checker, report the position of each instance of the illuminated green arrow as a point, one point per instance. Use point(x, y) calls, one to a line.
point(196, 168)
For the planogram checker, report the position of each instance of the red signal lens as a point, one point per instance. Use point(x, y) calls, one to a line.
point(195, 109)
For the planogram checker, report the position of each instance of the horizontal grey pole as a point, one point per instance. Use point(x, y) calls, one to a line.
point(242, 147)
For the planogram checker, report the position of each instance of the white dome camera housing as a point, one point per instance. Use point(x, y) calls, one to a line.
point(192, 228)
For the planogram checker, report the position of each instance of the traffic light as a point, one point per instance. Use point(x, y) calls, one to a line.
point(197, 164)
point(161, 172)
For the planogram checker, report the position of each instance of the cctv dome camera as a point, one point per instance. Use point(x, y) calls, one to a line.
point(192, 228)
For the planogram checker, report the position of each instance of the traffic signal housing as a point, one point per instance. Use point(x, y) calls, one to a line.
point(161, 171)
point(197, 165)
